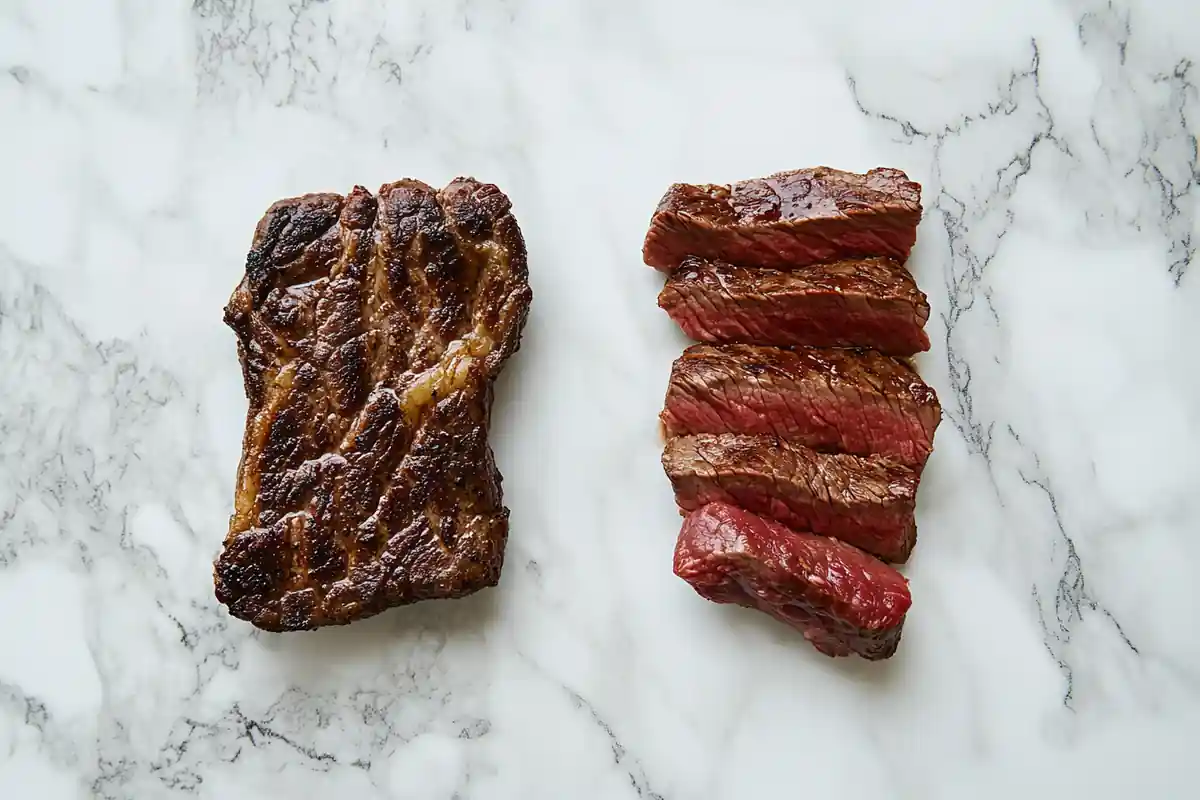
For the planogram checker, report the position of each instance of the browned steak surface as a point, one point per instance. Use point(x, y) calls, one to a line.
point(870, 302)
point(854, 401)
point(370, 329)
point(841, 599)
point(788, 219)
point(868, 502)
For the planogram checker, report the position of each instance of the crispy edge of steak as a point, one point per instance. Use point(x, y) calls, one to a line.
point(788, 219)
point(870, 302)
point(843, 600)
point(866, 501)
point(370, 330)
point(854, 401)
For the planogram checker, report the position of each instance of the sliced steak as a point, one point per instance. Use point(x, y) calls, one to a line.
point(841, 599)
point(855, 401)
point(370, 330)
point(788, 219)
point(868, 502)
point(872, 302)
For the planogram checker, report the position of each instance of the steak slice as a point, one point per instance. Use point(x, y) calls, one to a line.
point(872, 302)
point(788, 219)
point(855, 401)
point(868, 502)
point(841, 599)
point(369, 331)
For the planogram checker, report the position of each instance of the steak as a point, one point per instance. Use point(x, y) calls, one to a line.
point(787, 220)
point(868, 502)
point(855, 401)
point(872, 302)
point(841, 599)
point(370, 330)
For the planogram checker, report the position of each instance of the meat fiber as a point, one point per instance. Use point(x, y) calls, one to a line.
point(787, 220)
point(370, 330)
point(872, 302)
point(841, 599)
point(868, 502)
point(854, 401)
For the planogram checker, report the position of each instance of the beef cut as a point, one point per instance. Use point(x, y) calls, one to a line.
point(853, 401)
point(841, 599)
point(868, 502)
point(787, 220)
point(871, 302)
point(370, 330)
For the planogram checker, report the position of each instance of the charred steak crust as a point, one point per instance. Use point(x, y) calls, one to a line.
point(870, 302)
point(788, 219)
point(370, 329)
point(852, 401)
point(868, 502)
point(841, 599)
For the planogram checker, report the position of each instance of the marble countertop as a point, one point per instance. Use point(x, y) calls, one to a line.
point(1052, 650)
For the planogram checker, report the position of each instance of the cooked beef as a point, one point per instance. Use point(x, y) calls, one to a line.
point(872, 302)
point(788, 219)
point(369, 331)
point(841, 599)
point(855, 401)
point(865, 501)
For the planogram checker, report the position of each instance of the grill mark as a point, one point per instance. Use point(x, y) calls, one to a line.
point(326, 533)
point(377, 293)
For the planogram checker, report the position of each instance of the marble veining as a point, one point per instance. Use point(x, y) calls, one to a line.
point(1051, 650)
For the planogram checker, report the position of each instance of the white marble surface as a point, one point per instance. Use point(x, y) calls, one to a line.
point(1053, 648)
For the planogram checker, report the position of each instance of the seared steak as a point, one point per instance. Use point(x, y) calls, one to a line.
point(855, 401)
point(788, 219)
point(865, 501)
point(370, 330)
point(872, 302)
point(841, 599)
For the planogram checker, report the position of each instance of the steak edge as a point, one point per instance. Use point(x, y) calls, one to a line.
point(853, 401)
point(787, 220)
point(841, 599)
point(871, 302)
point(370, 330)
point(868, 502)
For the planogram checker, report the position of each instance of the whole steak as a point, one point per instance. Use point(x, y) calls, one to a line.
point(869, 502)
point(853, 401)
point(840, 598)
point(369, 331)
point(788, 219)
point(869, 302)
